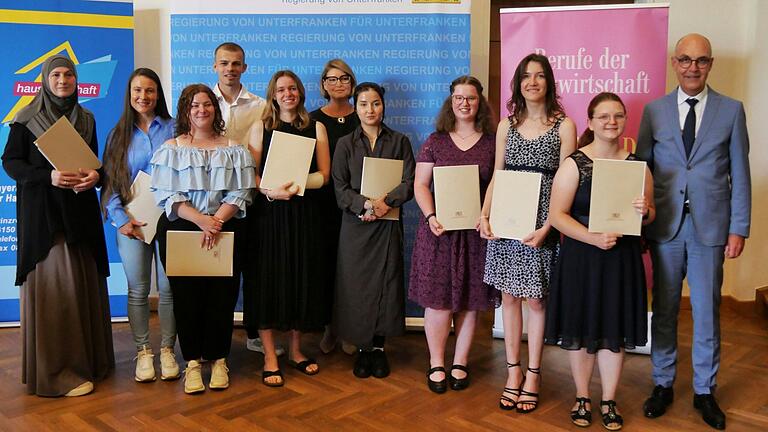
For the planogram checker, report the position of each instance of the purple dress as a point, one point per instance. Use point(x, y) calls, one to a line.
point(447, 271)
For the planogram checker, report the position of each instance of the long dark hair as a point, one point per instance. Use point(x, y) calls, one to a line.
point(516, 103)
point(271, 114)
point(589, 135)
point(484, 121)
point(117, 174)
point(184, 107)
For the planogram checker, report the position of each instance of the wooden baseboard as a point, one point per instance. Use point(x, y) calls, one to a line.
point(742, 307)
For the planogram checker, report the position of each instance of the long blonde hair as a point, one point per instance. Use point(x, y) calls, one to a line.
point(271, 114)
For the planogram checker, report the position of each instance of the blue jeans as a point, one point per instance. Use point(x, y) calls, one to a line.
point(137, 263)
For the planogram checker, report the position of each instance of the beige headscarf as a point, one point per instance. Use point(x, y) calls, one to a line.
point(46, 107)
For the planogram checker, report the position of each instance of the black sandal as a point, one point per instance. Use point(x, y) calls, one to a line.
point(267, 374)
point(437, 386)
point(523, 392)
point(459, 383)
point(512, 391)
point(581, 416)
point(611, 417)
point(303, 366)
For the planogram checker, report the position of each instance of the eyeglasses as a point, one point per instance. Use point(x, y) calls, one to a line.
point(701, 62)
point(605, 118)
point(459, 99)
point(332, 80)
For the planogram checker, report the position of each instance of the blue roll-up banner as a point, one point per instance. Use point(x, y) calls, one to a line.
point(413, 48)
point(98, 37)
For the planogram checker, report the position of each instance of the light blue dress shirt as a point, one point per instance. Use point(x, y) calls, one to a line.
point(143, 145)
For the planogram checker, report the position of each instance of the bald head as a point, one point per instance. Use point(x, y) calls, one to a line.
point(692, 62)
point(693, 40)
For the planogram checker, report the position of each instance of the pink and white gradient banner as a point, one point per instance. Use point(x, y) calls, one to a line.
point(616, 48)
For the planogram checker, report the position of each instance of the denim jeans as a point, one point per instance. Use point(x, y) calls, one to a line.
point(137, 263)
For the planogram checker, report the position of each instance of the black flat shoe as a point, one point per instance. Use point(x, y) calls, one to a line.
point(437, 386)
point(710, 412)
point(362, 367)
point(459, 383)
point(379, 364)
point(611, 419)
point(656, 405)
point(581, 416)
point(275, 373)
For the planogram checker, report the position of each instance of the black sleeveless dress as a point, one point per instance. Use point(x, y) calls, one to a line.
point(285, 274)
point(597, 297)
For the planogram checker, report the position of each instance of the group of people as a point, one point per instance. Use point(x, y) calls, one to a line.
point(329, 261)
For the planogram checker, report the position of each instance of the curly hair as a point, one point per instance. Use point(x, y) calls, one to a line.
point(516, 103)
point(184, 108)
point(271, 114)
point(484, 119)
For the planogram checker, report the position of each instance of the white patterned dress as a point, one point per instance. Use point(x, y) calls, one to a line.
point(511, 266)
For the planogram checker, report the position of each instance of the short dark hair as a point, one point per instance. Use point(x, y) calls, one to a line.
point(229, 46)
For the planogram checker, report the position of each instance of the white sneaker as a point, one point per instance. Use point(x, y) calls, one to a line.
point(169, 369)
point(256, 345)
point(219, 377)
point(145, 368)
point(193, 378)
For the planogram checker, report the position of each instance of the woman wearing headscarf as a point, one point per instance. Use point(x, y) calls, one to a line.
point(62, 259)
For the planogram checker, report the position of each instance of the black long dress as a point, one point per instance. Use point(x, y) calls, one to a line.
point(335, 127)
point(286, 271)
point(597, 298)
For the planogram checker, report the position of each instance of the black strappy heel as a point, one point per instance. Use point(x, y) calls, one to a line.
point(581, 416)
point(512, 391)
point(611, 417)
point(523, 392)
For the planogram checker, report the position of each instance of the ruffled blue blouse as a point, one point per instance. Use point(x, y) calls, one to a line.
point(204, 178)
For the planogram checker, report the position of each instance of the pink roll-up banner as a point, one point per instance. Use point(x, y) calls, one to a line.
point(592, 49)
point(616, 48)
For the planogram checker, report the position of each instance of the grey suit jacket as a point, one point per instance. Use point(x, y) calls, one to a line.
point(716, 175)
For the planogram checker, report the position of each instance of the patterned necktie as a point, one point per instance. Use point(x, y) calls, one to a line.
point(689, 127)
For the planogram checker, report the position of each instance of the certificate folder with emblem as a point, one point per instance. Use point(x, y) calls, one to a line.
point(615, 184)
point(457, 196)
point(515, 203)
point(142, 206)
point(185, 257)
point(379, 177)
point(288, 160)
point(65, 149)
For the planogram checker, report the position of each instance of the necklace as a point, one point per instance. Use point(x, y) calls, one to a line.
point(466, 137)
point(341, 120)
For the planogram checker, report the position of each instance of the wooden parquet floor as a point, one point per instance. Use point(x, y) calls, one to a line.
point(335, 400)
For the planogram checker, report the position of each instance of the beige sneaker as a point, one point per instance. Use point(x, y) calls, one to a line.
point(145, 368)
point(219, 377)
point(81, 390)
point(193, 378)
point(169, 369)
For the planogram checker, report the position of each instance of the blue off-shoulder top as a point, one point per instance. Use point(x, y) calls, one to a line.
point(204, 178)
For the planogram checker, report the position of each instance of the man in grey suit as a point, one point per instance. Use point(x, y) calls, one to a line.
point(695, 141)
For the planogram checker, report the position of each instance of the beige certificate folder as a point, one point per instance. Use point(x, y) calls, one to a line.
point(185, 257)
point(457, 196)
point(615, 184)
point(143, 207)
point(380, 176)
point(515, 203)
point(288, 160)
point(65, 149)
